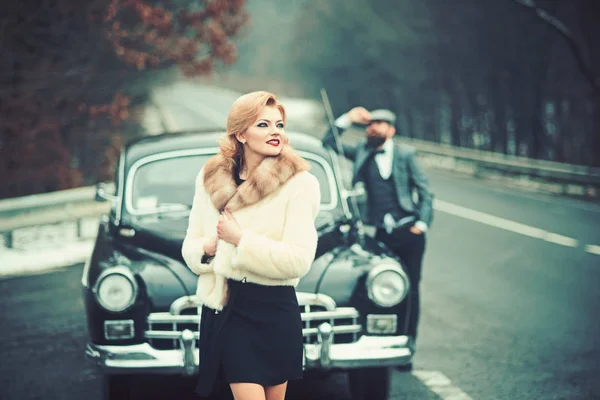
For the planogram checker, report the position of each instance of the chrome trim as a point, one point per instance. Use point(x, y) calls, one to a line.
point(120, 189)
point(368, 351)
point(339, 182)
point(383, 268)
point(168, 318)
point(85, 279)
point(213, 150)
point(183, 303)
point(325, 335)
point(187, 343)
point(341, 312)
point(121, 270)
point(119, 322)
point(173, 335)
point(306, 301)
point(157, 157)
point(336, 329)
point(102, 194)
point(142, 358)
point(333, 190)
point(371, 318)
point(304, 298)
point(316, 299)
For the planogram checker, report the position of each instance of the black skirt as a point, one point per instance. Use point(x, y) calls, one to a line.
point(256, 338)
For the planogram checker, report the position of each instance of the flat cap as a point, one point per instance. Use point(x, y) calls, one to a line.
point(383, 115)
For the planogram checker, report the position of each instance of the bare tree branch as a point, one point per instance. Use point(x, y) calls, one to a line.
point(585, 67)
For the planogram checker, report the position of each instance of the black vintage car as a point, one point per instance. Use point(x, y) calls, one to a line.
point(142, 313)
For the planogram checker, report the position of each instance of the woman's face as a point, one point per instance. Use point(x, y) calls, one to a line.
point(264, 136)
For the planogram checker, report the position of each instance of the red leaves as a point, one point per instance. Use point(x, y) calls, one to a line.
point(118, 110)
point(66, 104)
point(153, 37)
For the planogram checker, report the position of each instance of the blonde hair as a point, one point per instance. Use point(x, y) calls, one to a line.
point(244, 111)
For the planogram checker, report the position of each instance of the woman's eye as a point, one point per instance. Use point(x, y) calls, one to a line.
point(262, 125)
point(280, 126)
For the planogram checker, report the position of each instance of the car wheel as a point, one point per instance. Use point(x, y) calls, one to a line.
point(118, 387)
point(369, 383)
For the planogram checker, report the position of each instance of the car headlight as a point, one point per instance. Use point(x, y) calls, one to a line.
point(116, 289)
point(387, 285)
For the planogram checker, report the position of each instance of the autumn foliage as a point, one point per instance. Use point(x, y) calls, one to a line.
point(75, 75)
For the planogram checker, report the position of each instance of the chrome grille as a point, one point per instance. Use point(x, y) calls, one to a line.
point(164, 328)
point(344, 321)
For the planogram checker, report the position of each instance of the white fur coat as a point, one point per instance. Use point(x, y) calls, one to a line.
point(276, 207)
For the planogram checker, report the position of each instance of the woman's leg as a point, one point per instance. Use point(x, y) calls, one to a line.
point(248, 391)
point(276, 392)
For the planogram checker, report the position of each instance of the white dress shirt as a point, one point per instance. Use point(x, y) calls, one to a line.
point(385, 160)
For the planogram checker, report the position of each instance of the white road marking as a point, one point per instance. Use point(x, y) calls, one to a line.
point(590, 248)
point(441, 385)
point(511, 226)
point(560, 239)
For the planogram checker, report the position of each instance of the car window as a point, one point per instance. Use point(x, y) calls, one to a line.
point(171, 181)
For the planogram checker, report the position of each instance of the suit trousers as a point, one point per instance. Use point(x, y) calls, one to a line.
point(410, 248)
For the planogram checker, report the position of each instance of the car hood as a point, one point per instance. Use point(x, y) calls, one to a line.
point(341, 272)
point(164, 238)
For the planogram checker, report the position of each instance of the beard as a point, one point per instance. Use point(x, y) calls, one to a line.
point(375, 141)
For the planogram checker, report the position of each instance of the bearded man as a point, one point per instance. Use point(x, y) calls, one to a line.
point(391, 175)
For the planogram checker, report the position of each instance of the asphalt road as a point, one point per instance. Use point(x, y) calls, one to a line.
point(505, 315)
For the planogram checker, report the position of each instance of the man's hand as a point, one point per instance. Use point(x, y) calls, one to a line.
point(359, 115)
point(210, 246)
point(416, 230)
point(229, 229)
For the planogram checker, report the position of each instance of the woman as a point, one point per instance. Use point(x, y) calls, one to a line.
point(251, 237)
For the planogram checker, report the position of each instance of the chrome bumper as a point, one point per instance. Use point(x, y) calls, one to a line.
point(368, 351)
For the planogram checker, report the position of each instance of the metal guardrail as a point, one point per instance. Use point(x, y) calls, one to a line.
point(50, 208)
point(77, 207)
point(551, 170)
point(50, 219)
point(546, 176)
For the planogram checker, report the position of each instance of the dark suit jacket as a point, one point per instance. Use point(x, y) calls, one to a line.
point(406, 172)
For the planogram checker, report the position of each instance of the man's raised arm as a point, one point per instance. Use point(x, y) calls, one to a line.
point(357, 115)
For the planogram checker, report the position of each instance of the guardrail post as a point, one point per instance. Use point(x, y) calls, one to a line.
point(78, 228)
point(7, 240)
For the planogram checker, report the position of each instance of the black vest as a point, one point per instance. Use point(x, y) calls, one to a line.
point(382, 196)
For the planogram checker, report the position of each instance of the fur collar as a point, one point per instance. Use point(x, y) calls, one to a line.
point(270, 174)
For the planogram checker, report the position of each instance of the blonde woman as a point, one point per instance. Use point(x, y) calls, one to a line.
point(251, 237)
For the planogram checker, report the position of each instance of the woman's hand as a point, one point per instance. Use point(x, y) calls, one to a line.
point(210, 246)
point(228, 229)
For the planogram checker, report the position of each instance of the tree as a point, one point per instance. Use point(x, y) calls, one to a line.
point(580, 45)
point(485, 74)
point(78, 74)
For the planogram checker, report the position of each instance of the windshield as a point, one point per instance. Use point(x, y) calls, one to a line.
point(167, 184)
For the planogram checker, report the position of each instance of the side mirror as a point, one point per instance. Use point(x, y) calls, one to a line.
point(102, 193)
point(358, 191)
